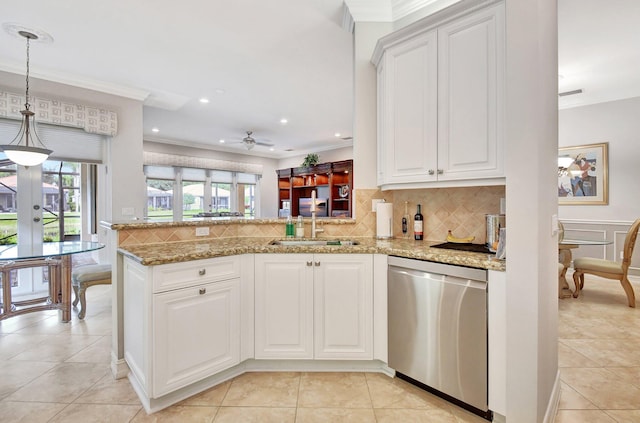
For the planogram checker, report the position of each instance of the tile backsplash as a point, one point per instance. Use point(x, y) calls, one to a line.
point(461, 210)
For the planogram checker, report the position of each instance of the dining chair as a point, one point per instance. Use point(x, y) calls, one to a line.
point(607, 268)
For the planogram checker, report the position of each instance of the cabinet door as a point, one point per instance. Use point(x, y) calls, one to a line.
point(409, 111)
point(196, 334)
point(343, 303)
point(470, 95)
point(284, 306)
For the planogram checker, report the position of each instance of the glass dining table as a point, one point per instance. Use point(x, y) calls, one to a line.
point(56, 257)
point(565, 256)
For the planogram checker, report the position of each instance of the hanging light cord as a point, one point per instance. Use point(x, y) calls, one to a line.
point(26, 100)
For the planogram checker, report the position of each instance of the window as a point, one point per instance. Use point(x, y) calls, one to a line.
point(229, 192)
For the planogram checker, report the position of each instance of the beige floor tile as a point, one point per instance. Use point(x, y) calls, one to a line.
point(603, 388)
point(347, 390)
point(110, 391)
point(389, 392)
point(17, 323)
point(583, 416)
point(178, 414)
point(14, 344)
point(464, 416)
point(57, 348)
point(98, 352)
point(15, 374)
point(572, 400)
point(48, 326)
point(335, 415)
point(255, 415)
point(568, 357)
point(29, 412)
point(64, 383)
point(388, 415)
point(628, 374)
point(210, 397)
point(625, 416)
point(97, 413)
point(608, 352)
point(263, 390)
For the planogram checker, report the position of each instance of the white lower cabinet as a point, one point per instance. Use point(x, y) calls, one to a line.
point(196, 333)
point(314, 306)
point(175, 337)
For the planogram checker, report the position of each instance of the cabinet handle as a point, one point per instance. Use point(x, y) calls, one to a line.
point(309, 263)
point(203, 291)
point(440, 171)
point(202, 272)
point(431, 171)
point(317, 263)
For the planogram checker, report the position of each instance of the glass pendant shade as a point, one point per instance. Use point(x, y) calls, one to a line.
point(26, 156)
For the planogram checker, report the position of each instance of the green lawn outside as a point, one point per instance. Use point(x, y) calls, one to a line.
point(9, 225)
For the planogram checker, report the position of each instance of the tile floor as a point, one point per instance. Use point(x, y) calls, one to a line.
point(53, 372)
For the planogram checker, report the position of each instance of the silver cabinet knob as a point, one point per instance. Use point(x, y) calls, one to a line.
point(309, 263)
point(317, 263)
point(440, 171)
point(431, 171)
point(202, 291)
point(36, 219)
point(202, 272)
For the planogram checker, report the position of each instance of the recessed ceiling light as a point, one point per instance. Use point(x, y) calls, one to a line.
point(221, 141)
point(272, 149)
point(155, 130)
point(337, 134)
point(220, 91)
point(284, 121)
point(204, 100)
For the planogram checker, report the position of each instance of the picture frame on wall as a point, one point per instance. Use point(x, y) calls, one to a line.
point(583, 175)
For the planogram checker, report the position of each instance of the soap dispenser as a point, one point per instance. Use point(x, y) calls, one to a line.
point(300, 228)
point(289, 228)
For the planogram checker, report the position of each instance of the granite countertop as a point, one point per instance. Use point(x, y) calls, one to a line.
point(174, 252)
point(209, 221)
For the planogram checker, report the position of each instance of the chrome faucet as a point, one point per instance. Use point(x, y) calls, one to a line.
point(314, 231)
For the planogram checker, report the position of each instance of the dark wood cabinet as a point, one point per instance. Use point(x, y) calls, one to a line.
point(333, 183)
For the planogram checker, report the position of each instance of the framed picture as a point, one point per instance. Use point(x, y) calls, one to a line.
point(583, 175)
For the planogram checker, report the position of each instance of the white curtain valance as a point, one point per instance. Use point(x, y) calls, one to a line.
point(92, 119)
point(162, 159)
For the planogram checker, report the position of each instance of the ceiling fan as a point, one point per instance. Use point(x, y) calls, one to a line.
point(250, 142)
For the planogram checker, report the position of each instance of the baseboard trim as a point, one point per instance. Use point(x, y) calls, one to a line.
point(554, 400)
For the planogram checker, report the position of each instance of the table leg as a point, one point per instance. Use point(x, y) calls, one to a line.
point(6, 291)
point(565, 258)
point(65, 280)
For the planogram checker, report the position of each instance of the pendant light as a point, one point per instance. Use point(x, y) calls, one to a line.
point(24, 149)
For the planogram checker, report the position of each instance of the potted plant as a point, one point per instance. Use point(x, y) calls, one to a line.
point(310, 159)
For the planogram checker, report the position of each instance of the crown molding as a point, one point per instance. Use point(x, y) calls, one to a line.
point(80, 82)
point(370, 10)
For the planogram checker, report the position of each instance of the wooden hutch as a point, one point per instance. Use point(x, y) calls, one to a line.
point(333, 183)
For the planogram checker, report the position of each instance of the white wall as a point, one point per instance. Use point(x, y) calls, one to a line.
point(618, 123)
point(531, 140)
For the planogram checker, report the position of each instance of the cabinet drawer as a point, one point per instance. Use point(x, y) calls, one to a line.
point(179, 275)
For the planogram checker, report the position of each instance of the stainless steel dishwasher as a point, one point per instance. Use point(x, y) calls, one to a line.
point(438, 329)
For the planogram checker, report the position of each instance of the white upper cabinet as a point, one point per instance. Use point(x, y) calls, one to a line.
point(441, 100)
point(408, 109)
point(470, 96)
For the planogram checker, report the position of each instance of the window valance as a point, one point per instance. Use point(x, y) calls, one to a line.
point(162, 159)
point(93, 120)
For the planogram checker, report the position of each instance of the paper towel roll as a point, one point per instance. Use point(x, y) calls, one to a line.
point(384, 220)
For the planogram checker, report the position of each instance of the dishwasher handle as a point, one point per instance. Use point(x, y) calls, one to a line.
point(438, 278)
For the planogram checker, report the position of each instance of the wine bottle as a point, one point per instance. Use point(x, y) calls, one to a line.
point(417, 225)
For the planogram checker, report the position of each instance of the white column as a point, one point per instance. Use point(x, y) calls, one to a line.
point(531, 196)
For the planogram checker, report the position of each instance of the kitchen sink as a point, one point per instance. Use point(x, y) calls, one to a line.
point(311, 242)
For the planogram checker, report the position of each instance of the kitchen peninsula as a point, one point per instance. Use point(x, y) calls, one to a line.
point(201, 310)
